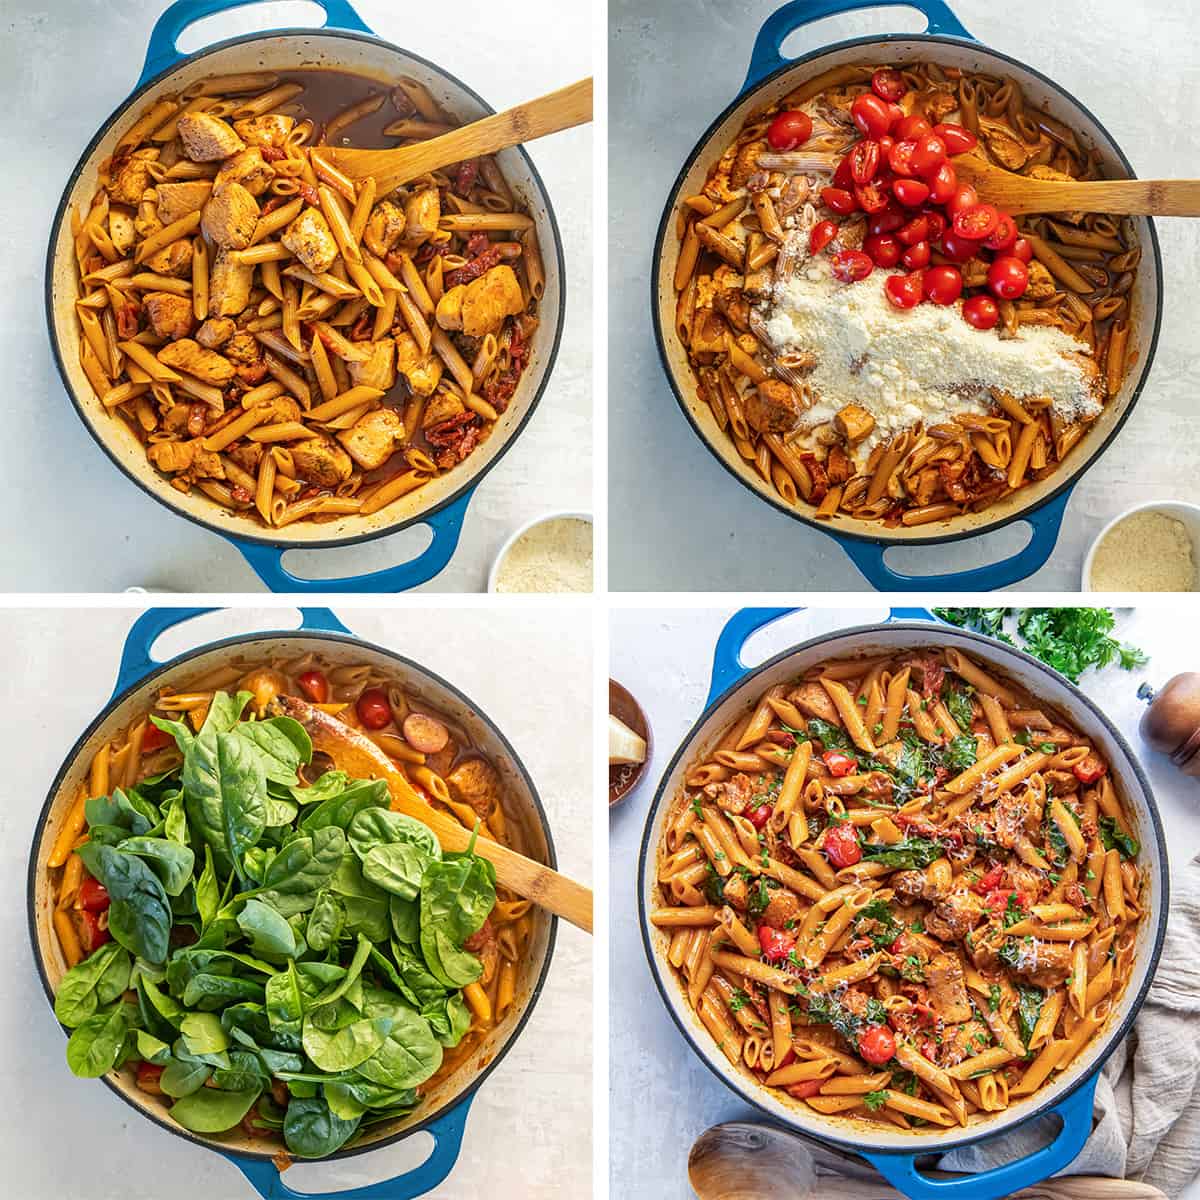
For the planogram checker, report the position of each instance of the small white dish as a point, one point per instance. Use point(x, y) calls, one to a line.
point(494, 573)
point(1187, 514)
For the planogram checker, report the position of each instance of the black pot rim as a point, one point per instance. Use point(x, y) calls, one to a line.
point(471, 481)
point(245, 639)
point(1070, 478)
point(859, 1145)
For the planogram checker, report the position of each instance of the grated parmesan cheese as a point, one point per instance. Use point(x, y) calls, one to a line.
point(1149, 551)
point(552, 556)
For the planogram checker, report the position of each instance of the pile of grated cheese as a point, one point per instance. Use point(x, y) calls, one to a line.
point(923, 364)
point(552, 556)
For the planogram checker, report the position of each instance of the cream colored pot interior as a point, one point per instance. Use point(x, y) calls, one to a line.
point(520, 806)
point(1037, 93)
point(361, 57)
point(1048, 688)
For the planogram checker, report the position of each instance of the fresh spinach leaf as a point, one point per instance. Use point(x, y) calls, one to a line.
point(92, 984)
point(172, 863)
point(1113, 837)
point(267, 932)
point(310, 1129)
point(95, 1047)
point(139, 914)
point(909, 854)
point(211, 1110)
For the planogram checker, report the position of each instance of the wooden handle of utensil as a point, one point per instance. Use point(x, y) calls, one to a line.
point(1133, 197)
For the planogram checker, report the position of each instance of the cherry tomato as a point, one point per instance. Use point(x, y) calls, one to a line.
point(976, 221)
point(759, 816)
point(896, 115)
point(884, 249)
point(887, 221)
point(864, 161)
point(937, 223)
point(871, 197)
point(823, 232)
point(916, 256)
point(943, 183)
point(851, 265)
point(839, 764)
point(959, 249)
point(910, 192)
point(877, 1045)
point(885, 145)
point(888, 84)
point(93, 895)
point(373, 708)
point(1007, 277)
point(776, 944)
point(91, 935)
point(943, 285)
point(1089, 769)
point(1003, 236)
point(871, 115)
point(789, 130)
point(148, 1075)
point(805, 1088)
point(154, 739)
point(841, 845)
point(1022, 249)
point(839, 201)
point(981, 311)
point(957, 139)
point(964, 197)
point(900, 157)
point(916, 230)
point(912, 126)
point(904, 291)
point(929, 154)
point(841, 174)
point(315, 686)
point(992, 877)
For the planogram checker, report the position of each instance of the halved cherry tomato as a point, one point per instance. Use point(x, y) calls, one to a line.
point(871, 197)
point(373, 708)
point(989, 881)
point(884, 249)
point(916, 256)
point(896, 113)
point(976, 221)
point(1008, 277)
point(957, 139)
point(805, 1088)
point(839, 764)
point(1022, 248)
point(904, 291)
point(887, 221)
point(910, 192)
point(776, 944)
point(148, 1075)
point(943, 285)
point(929, 153)
point(916, 230)
point(1089, 769)
point(943, 183)
point(93, 895)
point(839, 201)
point(864, 161)
point(315, 686)
point(1003, 236)
point(959, 249)
point(885, 145)
point(759, 816)
point(912, 126)
point(888, 84)
point(964, 197)
point(841, 846)
point(91, 934)
point(937, 223)
point(841, 174)
point(823, 232)
point(900, 157)
point(851, 265)
point(877, 1045)
point(789, 130)
point(871, 115)
point(981, 311)
point(154, 738)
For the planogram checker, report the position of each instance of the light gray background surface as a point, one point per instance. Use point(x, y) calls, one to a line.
point(65, 65)
point(528, 1135)
point(675, 65)
point(662, 1097)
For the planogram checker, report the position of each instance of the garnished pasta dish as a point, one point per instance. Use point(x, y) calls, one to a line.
point(901, 890)
point(280, 337)
point(876, 340)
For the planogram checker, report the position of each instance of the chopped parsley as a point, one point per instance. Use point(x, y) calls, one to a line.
point(832, 737)
point(738, 1001)
point(958, 704)
point(993, 1000)
point(913, 969)
point(1013, 912)
point(886, 928)
point(698, 807)
point(875, 1100)
point(1029, 1007)
point(1114, 838)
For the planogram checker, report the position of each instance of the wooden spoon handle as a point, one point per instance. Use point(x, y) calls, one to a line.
point(1135, 197)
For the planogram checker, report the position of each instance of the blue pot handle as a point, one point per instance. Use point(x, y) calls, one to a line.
point(136, 660)
point(447, 1133)
point(766, 56)
point(161, 53)
point(1045, 523)
point(909, 614)
point(900, 1170)
point(267, 561)
point(727, 665)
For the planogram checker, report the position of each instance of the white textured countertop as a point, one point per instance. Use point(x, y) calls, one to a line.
point(662, 1096)
point(674, 66)
point(66, 65)
point(528, 1135)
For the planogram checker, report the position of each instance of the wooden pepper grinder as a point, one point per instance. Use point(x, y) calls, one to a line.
point(1172, 722)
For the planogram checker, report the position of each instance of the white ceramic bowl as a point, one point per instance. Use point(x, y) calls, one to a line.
point(494, 573)
point(1188, 514)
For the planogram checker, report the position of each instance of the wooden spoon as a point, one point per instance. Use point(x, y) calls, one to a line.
point(359, 757)
point(743, 1160)
point(559, 110)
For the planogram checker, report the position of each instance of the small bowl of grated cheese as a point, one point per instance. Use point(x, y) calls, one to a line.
point(1151, 548)
point(548, 554)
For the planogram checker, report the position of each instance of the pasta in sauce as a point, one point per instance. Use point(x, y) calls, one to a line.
point(901, 890)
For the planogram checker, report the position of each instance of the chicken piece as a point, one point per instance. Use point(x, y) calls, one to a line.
point(423, 371)
point(441, 408)
point(1044, 964)
point(733, 795)
point(122, 229)
point(1008, 815)
point(230, 217)
point(773, 407)
point(176, 200)
point(216, 331)
point(384, 227)
point(954, 916)
point(247, 455)
point(172, 457)
point(974, 272)
point(1041, 282)
point(207, 365)
point(484, 946)
point(131, 178)
point(247, 168)
point(918, 885)
point(838, 465)
point(229, 284)
point(937, 105)
point(1005, 149)
point(709, 332)
point(422, 212)
point(947, 991)
point(475, 782)
point(281, 409)
point(322, 461)
point(170, 316)
point(174, 260)
point(813, 701)
point(243, 348)
point(745, 163)
point(928, 481)
point(735, 892)
point(735, 308)
point(373, 438)
point(206, 464)
point(271, 130)
point(783, 910)
point(379, 369)
point(309, 238)
point(854, 423)
point(961, 1041)
point(449, 308)
point(489, 299)
point(207, 138)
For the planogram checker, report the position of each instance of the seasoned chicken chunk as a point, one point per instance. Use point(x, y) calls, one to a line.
point(379, 370)
point(271, 130)
point(475, 782)
point(207, 138)
point(373, 438)
point(243, 348)
point(854, 423)
point(229, 284)
point(216, 331)
point(441, 408)
point(489, 299)
point(176, 200)
point(384, 227)
point(954, 916)
point(733, 794)
point(1041, 282)
point(122, 229)
point(449, 308)
point(322, 461)
point(813, 701)
point(230, 217)
point(188, 355)
point(131, 178)
point(170, 316)
point(172, 456)
point(947, 991)
point(783, 910)
point(709, 332)
point(422, 212)
point(174, 260)
point(423, 371)
point(773, 407)
point(247, 168)
point(309, 238)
